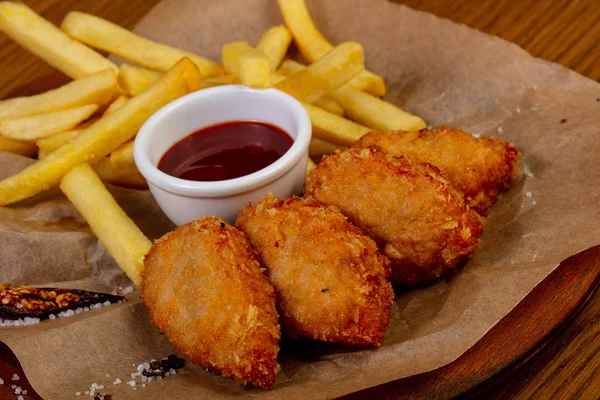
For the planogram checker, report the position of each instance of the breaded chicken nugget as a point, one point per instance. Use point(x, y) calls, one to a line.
point(419, 220)
point(479, 168)
point(205, 290)
point(330, 280)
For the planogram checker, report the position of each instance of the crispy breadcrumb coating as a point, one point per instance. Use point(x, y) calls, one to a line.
point(331, 281)
point(479, 168)
point(420, 221)
point(205, 290)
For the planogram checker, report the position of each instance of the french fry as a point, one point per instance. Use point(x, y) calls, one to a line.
point(374, 112)
point(136, 79)
point(330, 105)
point(319, 148)
point(363, 108)
point(116, 231)
point(48, 42)
point(122, 158)
point(117, 103)
point(325, 75)
point(104, 35)
point(43, 125)
point(247, 63)
point(98, 88)
point(51, 143)
point(333, 128)
point(110, 173)
point(313, 45)
point(285, 71)
point(26, 149)
point(274, 44)
point(311, 164)
point(42, 154)
point(102, 137)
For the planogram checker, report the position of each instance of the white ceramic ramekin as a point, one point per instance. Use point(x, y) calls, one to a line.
point(182, 200)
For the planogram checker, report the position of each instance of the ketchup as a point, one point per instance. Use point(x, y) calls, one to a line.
point(225, 151)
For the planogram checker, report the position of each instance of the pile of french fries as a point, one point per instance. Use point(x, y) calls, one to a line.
point(83, 132)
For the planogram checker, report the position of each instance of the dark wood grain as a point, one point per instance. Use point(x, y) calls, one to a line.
point(547, 347)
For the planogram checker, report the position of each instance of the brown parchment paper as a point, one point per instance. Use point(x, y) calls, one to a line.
point(444, 72)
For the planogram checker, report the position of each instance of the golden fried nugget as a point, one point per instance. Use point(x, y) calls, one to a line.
point(330, 280)
point(479, 168)
point(421, 222)
point(205, 290)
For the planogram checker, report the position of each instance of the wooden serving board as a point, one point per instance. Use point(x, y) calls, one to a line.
point(526, 330)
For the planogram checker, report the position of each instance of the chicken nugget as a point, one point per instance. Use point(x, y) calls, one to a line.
point(479, 168)
point(331, 281)
point(205, 290)
point(419, 220)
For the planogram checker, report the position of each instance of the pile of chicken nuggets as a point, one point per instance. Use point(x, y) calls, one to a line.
point(402, 208)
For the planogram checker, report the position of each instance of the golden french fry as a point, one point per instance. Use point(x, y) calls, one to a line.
point(110, 173)
point(117, 103)
point(42, 154)
point(319, 148)
point(247, 63)
point(274, 44)
point(311, 164)
point(333, 128)
point(330, 105)
point(122, 158)
point(51, 143)
point(102, 137)
point(26, 149)
point(43, 125)
point(136, 79)
point(289, 67)
point(46, 41)
point(374, 112)
point(98, 88)
point(325, 103)
point(116, 231)
point(104, 35)
point(313, 45)
point(363, 108)
point(325, 75)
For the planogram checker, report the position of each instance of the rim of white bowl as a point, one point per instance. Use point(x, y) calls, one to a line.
point(231, 186)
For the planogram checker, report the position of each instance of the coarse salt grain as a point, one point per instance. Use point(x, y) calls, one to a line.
point(18, 390)
point(117, 381)
point(20, 398)
point(131, 383)
point(534, 202)
point(518, 110)
point(500, 129)
point(15, 377)
point(24, 391)
point(77, 393)
point(13, 386)
point(143, 385)
point(476, 135)
point(1, 381)
point(108, 375)
point(528, 194)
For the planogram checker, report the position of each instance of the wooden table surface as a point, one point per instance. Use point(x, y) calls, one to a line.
point(563, 31)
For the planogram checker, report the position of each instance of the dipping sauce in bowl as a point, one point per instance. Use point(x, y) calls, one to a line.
point(231, 146)
point(225, 151)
